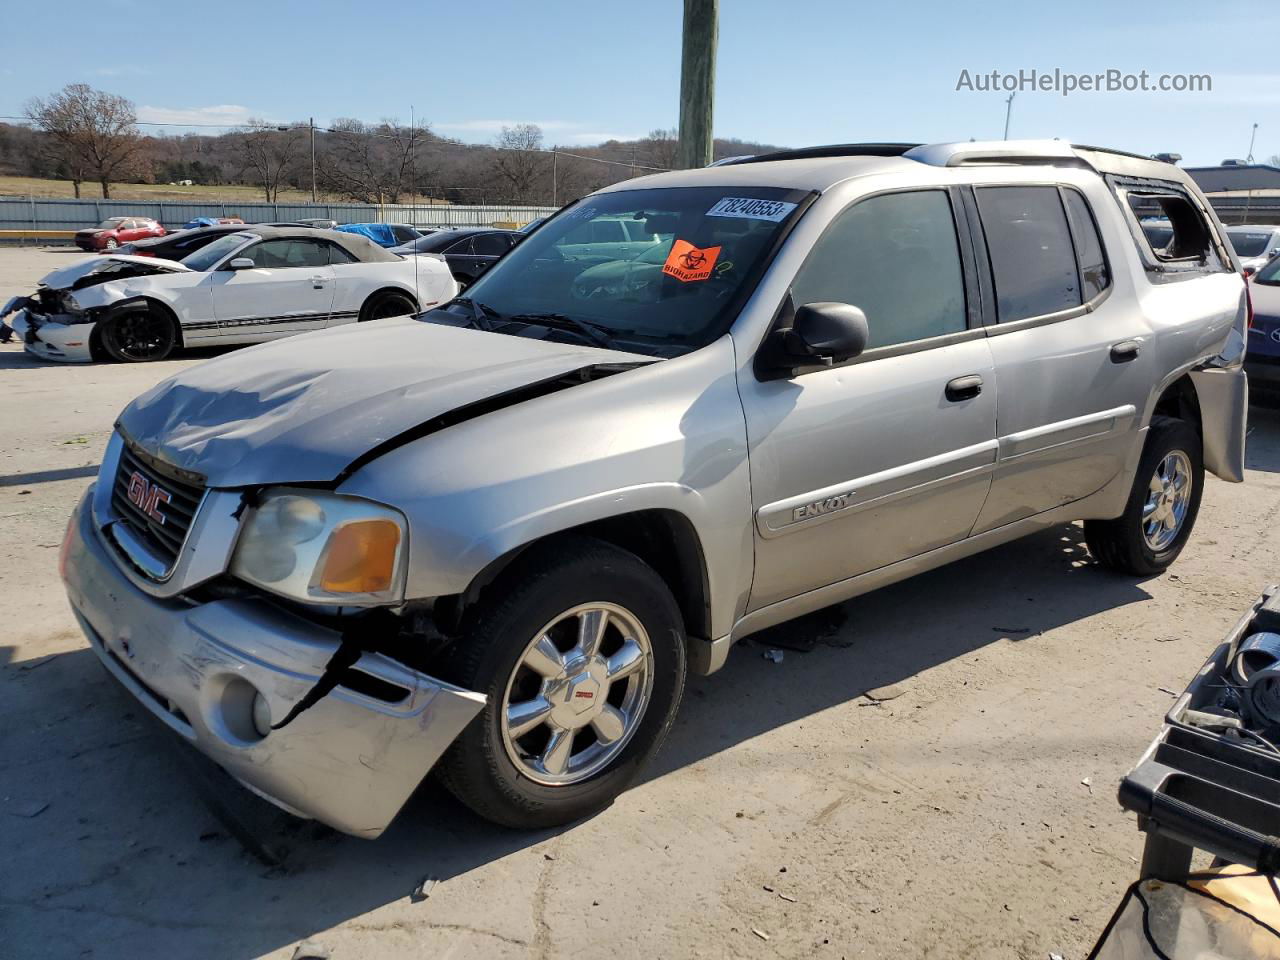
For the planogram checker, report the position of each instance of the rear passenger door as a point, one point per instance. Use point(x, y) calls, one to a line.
point(1075, 365)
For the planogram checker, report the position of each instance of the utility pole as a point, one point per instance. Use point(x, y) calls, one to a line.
point(698, 82)
point(1008, 112)
point(554, 157)
point(311, 122)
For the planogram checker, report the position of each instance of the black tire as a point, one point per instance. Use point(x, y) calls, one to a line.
point(390, 304)
point(138, 336)
point(1120, 543)
point(546, 581)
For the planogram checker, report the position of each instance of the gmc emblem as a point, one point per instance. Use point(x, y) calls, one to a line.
point(147, 496)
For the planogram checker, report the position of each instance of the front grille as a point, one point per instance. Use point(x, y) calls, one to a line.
point(161, 523)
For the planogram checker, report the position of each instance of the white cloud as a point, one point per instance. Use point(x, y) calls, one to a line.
point(225, 114)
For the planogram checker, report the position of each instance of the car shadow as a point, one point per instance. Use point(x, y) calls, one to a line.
point(105, 825)
point(17, 359)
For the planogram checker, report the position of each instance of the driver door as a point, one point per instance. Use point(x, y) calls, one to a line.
point(888, 456)
point(288, 290)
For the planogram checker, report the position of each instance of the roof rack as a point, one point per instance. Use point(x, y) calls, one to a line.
point(829, 150)
point(994, 151)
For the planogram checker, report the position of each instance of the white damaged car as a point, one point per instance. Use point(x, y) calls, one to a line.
point(258, 284)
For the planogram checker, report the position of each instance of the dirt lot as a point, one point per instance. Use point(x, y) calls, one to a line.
point(951, 821)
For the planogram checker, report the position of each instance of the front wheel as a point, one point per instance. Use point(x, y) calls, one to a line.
point(1162, 506)
point(137, 336)
point(580, 654)
point(111, 244)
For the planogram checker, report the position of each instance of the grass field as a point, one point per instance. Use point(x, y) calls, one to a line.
point(33, 187)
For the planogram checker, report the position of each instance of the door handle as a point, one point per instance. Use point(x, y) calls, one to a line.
point(318, 282)
point(1125, 350)
point(964, 388)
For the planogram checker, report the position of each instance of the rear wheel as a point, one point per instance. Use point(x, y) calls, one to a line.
point(138, 336)
point(388, 305)
point(1162, 507)
point(580, 656)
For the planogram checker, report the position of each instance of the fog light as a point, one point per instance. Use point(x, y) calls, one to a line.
point(261, 715)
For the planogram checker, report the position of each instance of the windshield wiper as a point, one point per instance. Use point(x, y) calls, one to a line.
point(594, 332)
point(483, 317)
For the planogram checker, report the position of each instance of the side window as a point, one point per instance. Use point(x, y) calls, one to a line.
point(462, 247)
point(338, 255)
point(1176, 239)
point(1033, 262)
point(896, 257)
point(490, 245)
point(1095, 276)
point(289, 253)
point(269, 253)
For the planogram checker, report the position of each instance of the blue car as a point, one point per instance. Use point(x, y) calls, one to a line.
point(383, 234)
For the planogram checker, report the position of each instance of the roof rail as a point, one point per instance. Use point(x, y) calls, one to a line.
point(831, 150)
point(994, 151)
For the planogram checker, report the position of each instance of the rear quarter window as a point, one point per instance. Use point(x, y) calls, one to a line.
point(1173, 237)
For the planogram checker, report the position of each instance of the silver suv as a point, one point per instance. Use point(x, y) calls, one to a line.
point(492, 540)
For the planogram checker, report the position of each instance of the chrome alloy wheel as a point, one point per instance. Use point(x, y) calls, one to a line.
point(578, 694)
point(1168, 497)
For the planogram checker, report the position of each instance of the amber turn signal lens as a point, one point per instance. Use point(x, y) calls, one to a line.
point(361, 557)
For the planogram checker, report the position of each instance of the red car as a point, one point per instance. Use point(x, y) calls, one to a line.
point(114, 231)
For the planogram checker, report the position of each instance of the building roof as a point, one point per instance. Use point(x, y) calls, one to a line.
point(1254, 176)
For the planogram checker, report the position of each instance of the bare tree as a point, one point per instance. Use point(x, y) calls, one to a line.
point(93, 133)
point(373, 163)
point(519, 159)
point(271, 152)
point(660, 148)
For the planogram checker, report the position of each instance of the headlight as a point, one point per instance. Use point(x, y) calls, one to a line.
point(323, 548)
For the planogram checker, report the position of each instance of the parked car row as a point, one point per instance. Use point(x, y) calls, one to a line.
point(494, 539)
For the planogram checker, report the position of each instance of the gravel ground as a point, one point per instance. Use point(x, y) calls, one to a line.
point(789, 815)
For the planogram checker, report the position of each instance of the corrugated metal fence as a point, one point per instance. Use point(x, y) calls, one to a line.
point(42, 213)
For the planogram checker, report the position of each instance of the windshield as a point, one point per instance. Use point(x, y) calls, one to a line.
point(1248, 244)
point(207, 256)
point(650, 271)
point(110, 224)
point(1269, 275)
point(432, 242)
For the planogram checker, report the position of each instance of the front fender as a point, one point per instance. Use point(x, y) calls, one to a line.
point(668, 436)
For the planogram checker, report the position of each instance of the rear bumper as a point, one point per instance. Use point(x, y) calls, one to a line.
point(351, 761)
point(50, 339)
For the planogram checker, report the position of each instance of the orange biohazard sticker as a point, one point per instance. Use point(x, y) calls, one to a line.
point(686, 262)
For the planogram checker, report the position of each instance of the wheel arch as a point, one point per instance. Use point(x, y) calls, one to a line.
point(665, 539)
point(1180, 399)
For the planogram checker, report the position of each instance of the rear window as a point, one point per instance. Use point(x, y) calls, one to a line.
point(1095, 276)
point(1033, 261)
point(1248, 244)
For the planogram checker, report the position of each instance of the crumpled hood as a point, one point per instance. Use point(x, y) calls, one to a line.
point(66, 276)
point(301, 409)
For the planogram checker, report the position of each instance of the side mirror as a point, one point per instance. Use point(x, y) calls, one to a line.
point(827, 333)
point(241, 263)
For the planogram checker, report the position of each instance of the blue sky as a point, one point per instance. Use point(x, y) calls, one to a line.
point(790, 73)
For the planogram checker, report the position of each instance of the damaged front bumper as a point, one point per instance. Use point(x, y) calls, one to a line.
point(351, 761)
point(54, 337)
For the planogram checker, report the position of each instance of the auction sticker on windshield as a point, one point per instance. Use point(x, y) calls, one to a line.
point(749, 208)
point(687, 263)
